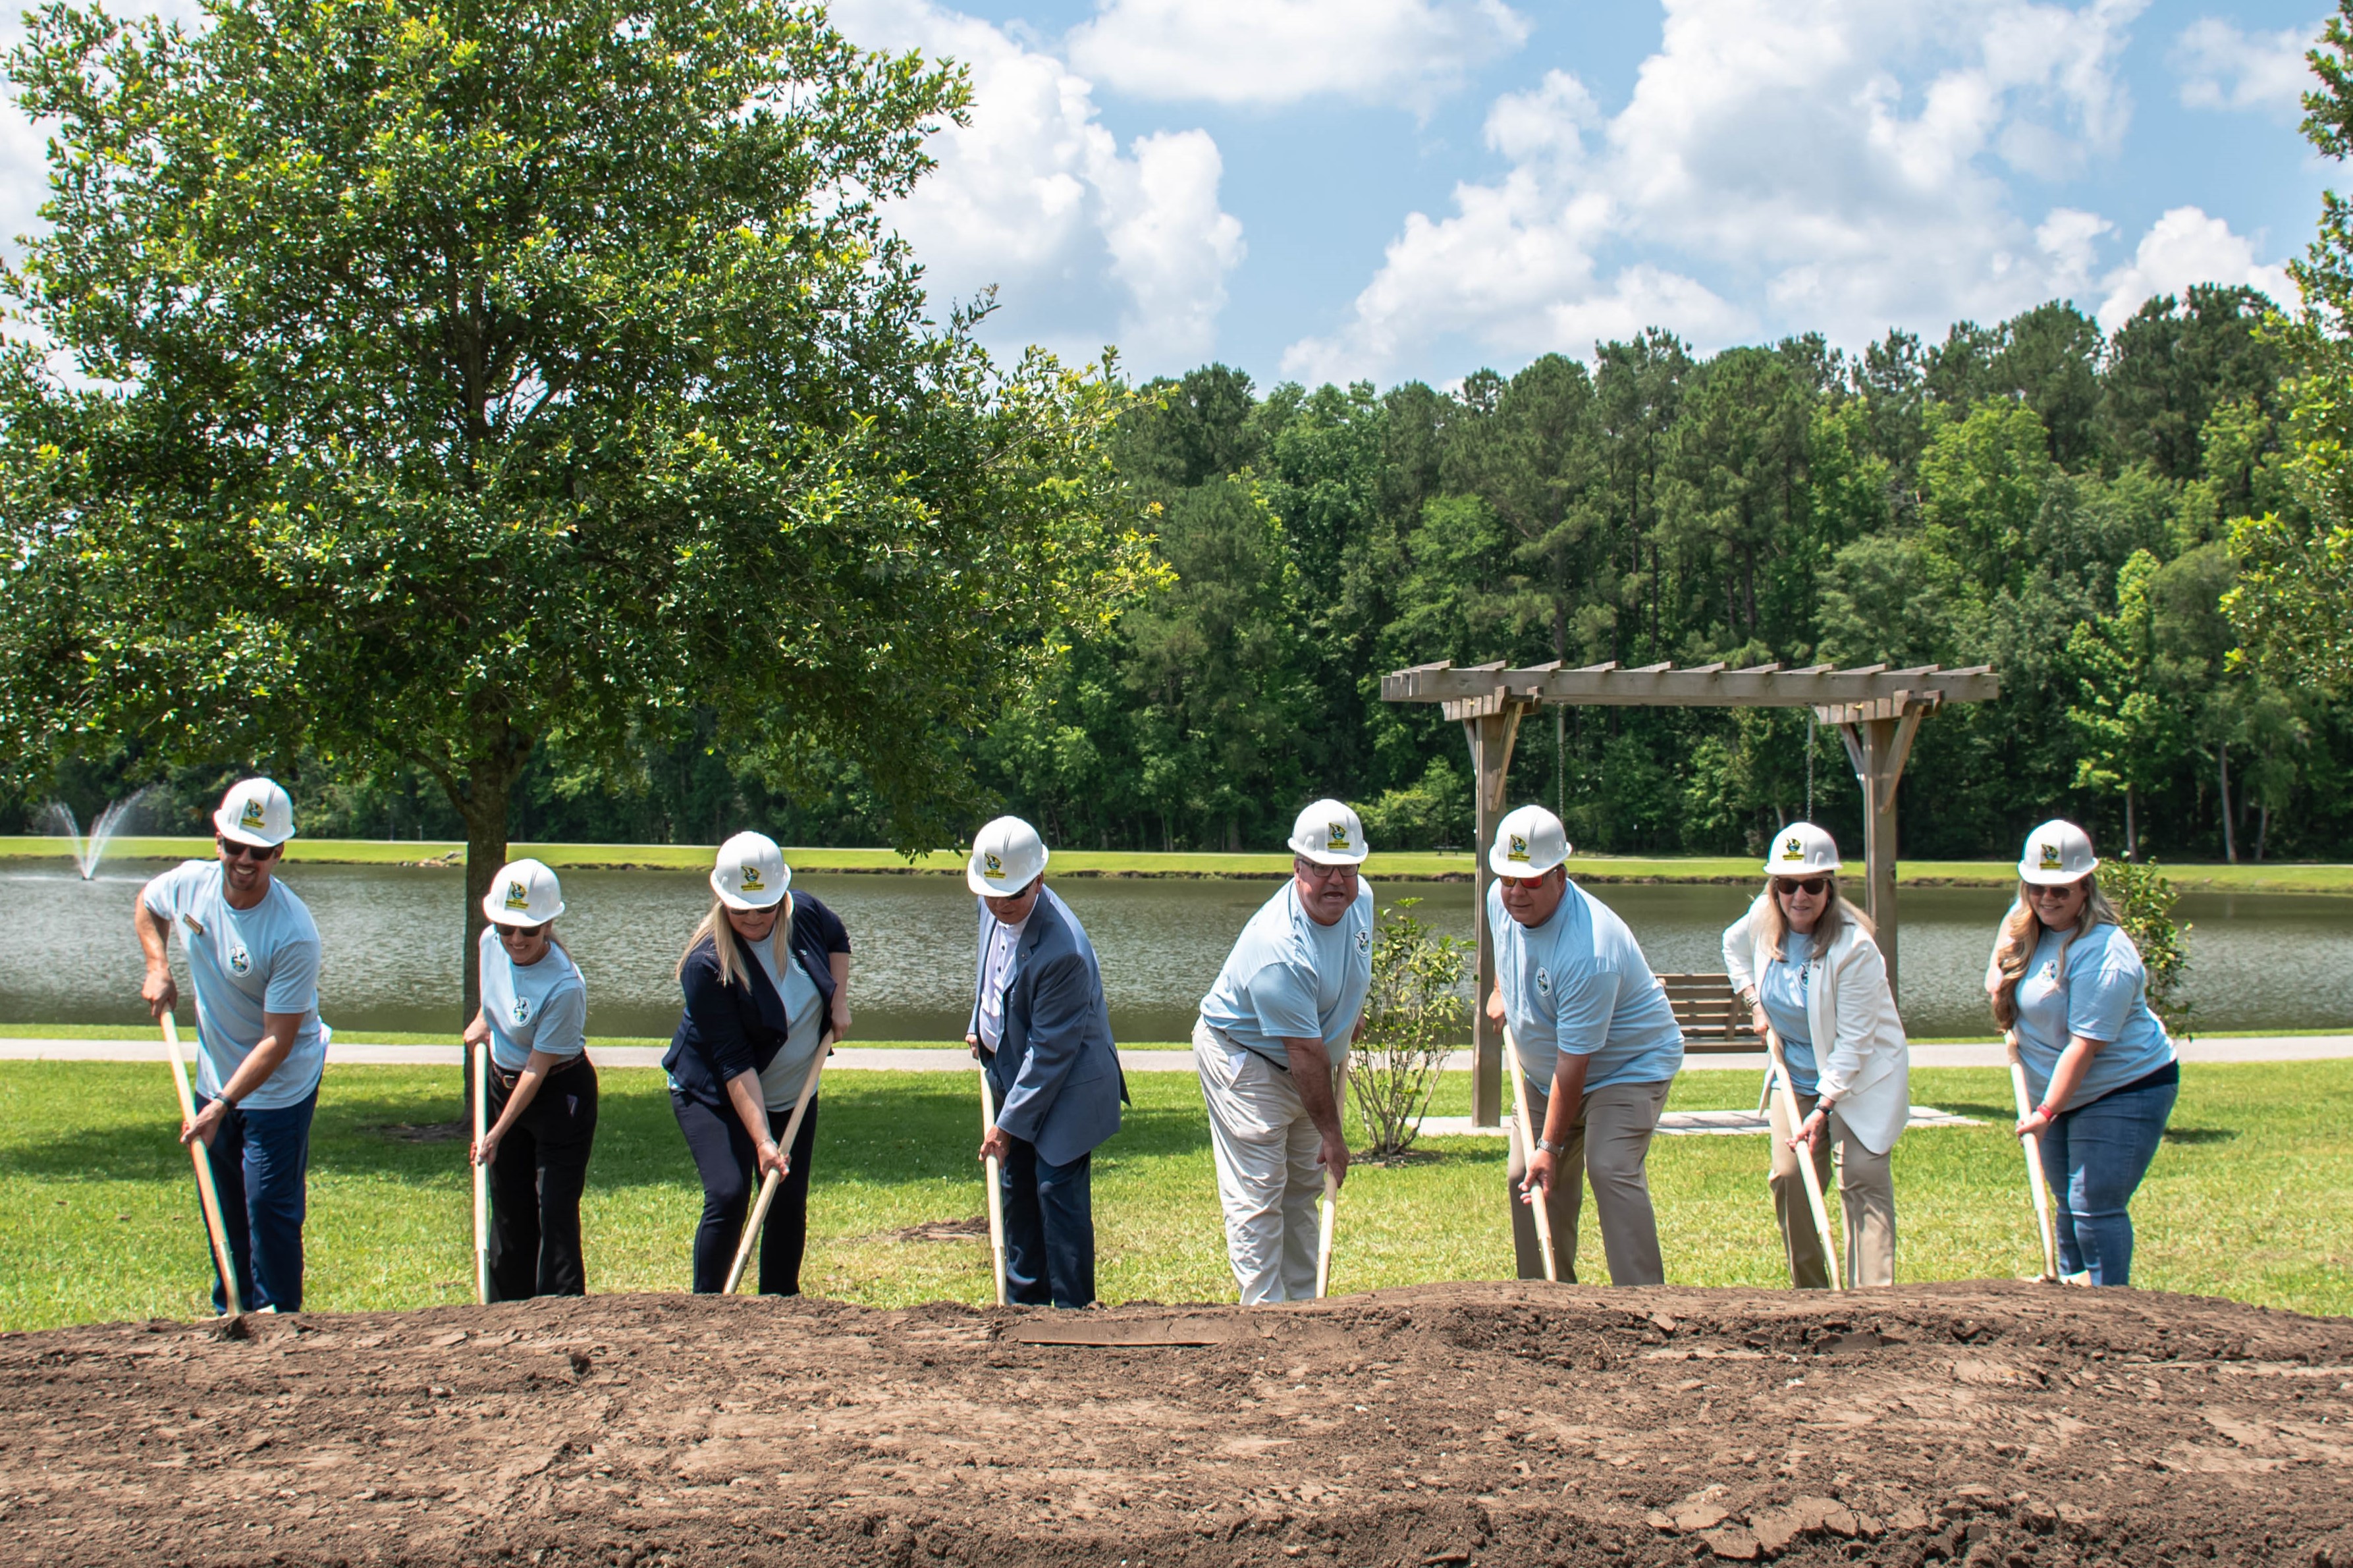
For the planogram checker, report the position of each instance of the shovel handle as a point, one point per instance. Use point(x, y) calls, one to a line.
point(1539, 1200)
point(482, 1098)
point(996, 1190)
point(208, 1193)
point(1806, 1163)
point(774, 1179)
point(2038, 1191)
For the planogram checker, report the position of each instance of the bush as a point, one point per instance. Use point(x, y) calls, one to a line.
point(2144, 899)
point(1414, 1016)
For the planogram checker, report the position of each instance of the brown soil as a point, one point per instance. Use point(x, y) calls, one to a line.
point(2006, 1425)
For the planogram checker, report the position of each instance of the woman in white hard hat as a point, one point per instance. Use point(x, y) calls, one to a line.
point(1804, 961)
point(765, 979)
point(2069, 983)
point(542, 1101)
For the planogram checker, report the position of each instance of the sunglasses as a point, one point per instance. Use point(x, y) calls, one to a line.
point(1812, 887)
point(237, 851)
point(2063, 890)
point(525, 933)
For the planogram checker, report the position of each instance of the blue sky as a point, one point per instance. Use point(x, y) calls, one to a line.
point(1386, 189)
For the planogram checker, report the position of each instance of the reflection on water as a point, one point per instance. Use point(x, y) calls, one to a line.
point(393, 935)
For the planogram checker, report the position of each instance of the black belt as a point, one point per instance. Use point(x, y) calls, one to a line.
point(506, 1079)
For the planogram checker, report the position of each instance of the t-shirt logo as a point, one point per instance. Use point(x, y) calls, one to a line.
point(518, 896)
point(2051, 857)
point(1518, 848)
point(1335, 837)
point(251, 815)
point(1544, 983)
point(991, 866)
point(752, 883)
point(239, 961)
point(522, 1009)
point(1364, 942)
point(1793, 848)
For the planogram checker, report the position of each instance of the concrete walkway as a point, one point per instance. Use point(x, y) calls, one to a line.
point(870, 1058)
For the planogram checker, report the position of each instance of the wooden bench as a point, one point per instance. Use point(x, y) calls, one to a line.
point(1712, 1018)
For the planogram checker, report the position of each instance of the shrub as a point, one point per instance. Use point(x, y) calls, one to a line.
point(1414, 1016)
point(2144, 899)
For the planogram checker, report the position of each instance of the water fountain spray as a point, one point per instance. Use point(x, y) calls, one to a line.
point(87, 853)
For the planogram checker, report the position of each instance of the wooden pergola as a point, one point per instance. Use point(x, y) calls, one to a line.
point(1877, 712)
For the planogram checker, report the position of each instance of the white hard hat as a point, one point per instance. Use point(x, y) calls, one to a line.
point(1529, 842)
point(1330, 833)
point(751, 873)
point(1802, 850)
point(1007, 856)
point(255, 811)
point(2057, 853)
point(524, 893)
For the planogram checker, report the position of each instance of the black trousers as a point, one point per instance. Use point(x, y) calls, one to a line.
point(536, 1182)
point(729, 1167)
point(1050, 1227)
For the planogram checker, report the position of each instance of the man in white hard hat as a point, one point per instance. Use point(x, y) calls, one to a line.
point(1272, 1038)
point(253, 955)
point(1598, 1046)
point(1042, 1031)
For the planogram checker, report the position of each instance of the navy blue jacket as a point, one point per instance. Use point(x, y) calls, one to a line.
point(1055, 1072)
point(727, 1031)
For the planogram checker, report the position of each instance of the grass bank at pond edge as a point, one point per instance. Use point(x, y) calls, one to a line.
point(2268, 877)
point(2245, 1199)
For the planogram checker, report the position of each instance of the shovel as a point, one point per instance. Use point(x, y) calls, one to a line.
point(2038, 1192)
point(206, 1193)
point(1331, 1201)
point(774, 1179)
point(481, 1096)
point(1537, 1199)
point(1806, 1165)
point(996, 1190)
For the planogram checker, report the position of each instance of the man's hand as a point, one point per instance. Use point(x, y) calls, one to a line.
point(207, 1125)
point(1495, 1004)
point(160, 992)
point(1537, 1185)
point(1332, 1155)
point(974, 1041)
point(997, 1145)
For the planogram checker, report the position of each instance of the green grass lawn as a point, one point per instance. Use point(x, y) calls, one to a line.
point(2271, 876)
point(2246, 1200)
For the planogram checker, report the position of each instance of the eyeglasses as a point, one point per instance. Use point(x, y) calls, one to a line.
point(1812, 887)
point(2048, 890)
point(1320, 873)
point(235, 850)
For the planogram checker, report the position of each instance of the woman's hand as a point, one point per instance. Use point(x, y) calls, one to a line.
point(2033, 1121)
point(1757, 1021)
point(207, 1122)
point(486, 1147)
point(1811, 1131)
point(773, 1157)
point(840, 1018)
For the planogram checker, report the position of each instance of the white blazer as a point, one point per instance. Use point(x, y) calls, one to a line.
point(1868, 1067)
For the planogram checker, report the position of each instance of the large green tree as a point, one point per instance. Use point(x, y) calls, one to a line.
point(454, 381)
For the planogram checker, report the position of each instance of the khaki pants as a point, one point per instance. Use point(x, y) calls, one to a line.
point(1866, 1190)
point(1268, 1182)
point(1607, 1144)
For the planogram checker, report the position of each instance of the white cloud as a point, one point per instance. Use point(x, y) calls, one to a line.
point(2187, 246)
point(1087, 244)
point(1281, 52)
point(2223, 67)
point(1842, 163)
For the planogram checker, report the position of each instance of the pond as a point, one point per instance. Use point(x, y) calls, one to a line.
point(2259, 962)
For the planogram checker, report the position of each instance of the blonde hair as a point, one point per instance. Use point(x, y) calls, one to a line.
point(1835, 913)
point(2021, 934)
point(725, 945)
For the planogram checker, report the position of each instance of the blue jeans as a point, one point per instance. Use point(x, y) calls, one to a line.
point(261, 1166)
point(1050, 1227)
point(2093, 1157)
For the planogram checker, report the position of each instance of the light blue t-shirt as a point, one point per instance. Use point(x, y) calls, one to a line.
point(2104, 995)
point(541, 1007)
point(781, 1079)
point(1782, 989)
point(244, 964)
point(1578, 983)
point(1290, 978)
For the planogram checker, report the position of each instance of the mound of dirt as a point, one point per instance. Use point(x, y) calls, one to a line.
point(2007, 1424)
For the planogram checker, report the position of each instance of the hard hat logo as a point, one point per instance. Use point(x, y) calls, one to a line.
point(993, 863)
point(518, 896)
point(251, 815)
point(2050, 856)
point(1336, 836)
point(1793, 848)
point(1519, 848)
point(752, 883)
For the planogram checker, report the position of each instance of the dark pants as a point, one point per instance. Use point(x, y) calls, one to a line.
point(1050, 1227)
point(536, 1182)
point(729, 1166)
point(261, 1166)
point(2093, 1157)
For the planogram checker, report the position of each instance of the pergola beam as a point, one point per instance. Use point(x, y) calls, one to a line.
point(1877, 712)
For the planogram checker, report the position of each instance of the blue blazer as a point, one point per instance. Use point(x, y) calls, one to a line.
point(1055, 1072)
point(726, 1031)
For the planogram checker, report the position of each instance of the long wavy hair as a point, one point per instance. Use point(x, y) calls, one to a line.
point(2021, 934)
point(1837, 912)
point(734, 962)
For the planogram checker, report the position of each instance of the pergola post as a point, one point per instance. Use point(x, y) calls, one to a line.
point(1878, 746)
point(1491, 725)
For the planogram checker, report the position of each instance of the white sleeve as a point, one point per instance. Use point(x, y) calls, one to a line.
point(1740, 951)
point(1855, 984)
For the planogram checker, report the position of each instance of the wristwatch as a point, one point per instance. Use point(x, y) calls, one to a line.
point(1550, 1147)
